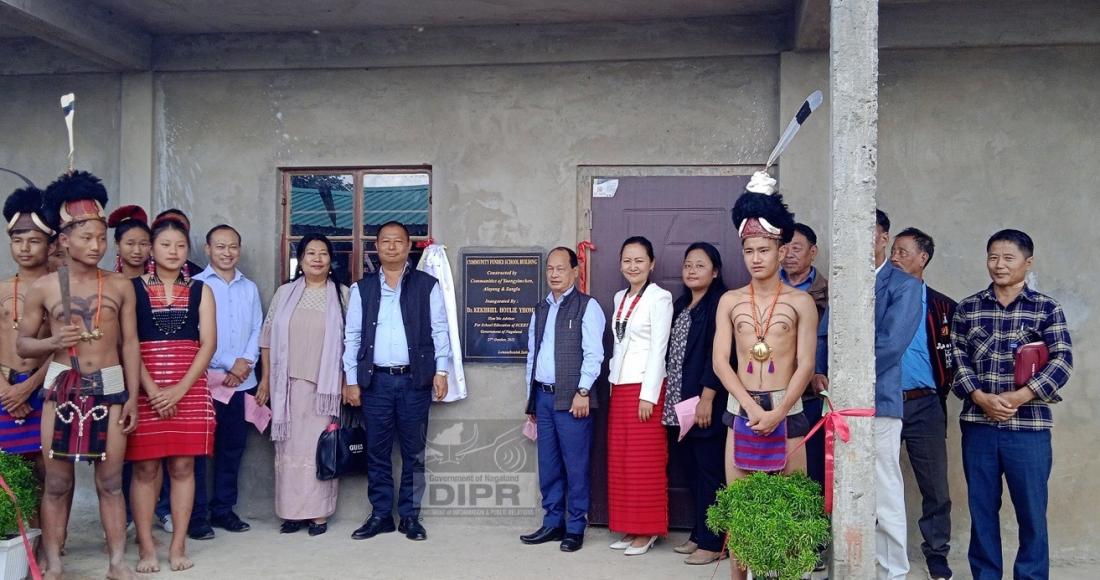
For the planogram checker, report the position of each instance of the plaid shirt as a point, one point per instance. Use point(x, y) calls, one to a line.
point(985, 336)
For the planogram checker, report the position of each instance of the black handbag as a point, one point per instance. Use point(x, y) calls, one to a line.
point(342, 446)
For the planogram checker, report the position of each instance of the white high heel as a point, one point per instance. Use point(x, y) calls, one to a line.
point(638, 551)
point(622, 544)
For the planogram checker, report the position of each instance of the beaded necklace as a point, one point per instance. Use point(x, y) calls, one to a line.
point(15, 317)
point(620, 322)
point(762, 351)
point(169, 318)
point(96, 334)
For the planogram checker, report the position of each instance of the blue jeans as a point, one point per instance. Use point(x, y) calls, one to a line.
point(564, 445)
point(1023, 459)
point(393, 405)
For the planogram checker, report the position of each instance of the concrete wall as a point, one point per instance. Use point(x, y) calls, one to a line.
point(972, 141)
point(504, 143)
point(35, 142)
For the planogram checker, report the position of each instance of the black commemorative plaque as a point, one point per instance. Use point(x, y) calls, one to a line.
point(500, 291)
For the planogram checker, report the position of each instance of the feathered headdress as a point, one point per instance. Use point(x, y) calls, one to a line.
point(23, 211)
point(74, 197)
point(127, 213)
point(763, 215)
point(760, 211)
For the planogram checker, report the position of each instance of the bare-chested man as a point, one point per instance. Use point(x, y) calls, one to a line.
point(86, 416)
point(20, 378)
point(773, 328)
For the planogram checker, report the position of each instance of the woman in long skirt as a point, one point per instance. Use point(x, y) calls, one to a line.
point(301, 345)
point(637, 450)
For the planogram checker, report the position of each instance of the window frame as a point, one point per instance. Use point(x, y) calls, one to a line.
point(358, 238)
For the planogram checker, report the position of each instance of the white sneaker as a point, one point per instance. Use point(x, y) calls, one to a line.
point(622, 544)
point(166, 523)
point(639, 550)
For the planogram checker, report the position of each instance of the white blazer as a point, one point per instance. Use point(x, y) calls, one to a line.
point(640, 357)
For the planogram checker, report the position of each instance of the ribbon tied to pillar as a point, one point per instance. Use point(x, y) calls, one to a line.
point(835, 425)
point(36, 573)
point(583, 249)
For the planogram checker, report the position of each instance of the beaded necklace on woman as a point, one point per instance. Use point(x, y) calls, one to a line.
point(169, 318)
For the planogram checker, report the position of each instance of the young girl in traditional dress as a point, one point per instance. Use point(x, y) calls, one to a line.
point(178, 333)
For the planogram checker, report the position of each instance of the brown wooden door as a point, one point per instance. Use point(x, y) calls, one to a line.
point(673, 212)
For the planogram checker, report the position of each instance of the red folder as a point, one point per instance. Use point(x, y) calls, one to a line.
point(1030, 359)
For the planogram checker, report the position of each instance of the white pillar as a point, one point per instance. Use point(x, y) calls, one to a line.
point(853, 82)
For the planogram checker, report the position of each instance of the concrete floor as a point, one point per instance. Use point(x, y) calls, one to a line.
point(454, 550)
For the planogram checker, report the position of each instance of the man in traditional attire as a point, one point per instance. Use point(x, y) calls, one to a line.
point(90, 397)
point(20, 378)
point(773, 328)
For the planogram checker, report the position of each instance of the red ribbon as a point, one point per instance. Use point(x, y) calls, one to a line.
point(835, 426)
point(36, 574)
point(583, 249)
point(425, 243)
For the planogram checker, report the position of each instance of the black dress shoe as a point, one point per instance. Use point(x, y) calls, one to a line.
point(290, 526)
point(230, 523)
point(412, 529)
point(372, 527)
point(200, 530)
point(572, 542)
point(543, 535)
point(317, 529)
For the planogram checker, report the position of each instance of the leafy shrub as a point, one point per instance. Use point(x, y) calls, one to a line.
point(18, 471)
point(776, 523)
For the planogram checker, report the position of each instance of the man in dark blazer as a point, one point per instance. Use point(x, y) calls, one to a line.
point(925, 381)
point(897, 318)
point(564, 356)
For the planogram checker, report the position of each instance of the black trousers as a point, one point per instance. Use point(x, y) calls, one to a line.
point(704, 463)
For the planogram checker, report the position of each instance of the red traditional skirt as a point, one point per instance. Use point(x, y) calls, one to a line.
point(637, 456)
point(191, 430)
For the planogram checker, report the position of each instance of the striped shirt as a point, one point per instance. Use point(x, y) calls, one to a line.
point(985, 336)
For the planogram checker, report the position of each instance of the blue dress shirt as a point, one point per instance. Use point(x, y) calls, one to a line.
point(592, 327)
point(240, 317)
point(916, 364)
point(805, 285)
point(391, 346)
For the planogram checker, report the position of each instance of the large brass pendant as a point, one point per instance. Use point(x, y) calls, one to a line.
point(761, 351)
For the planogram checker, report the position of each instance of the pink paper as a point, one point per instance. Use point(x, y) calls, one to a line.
point(258, 415)
point(685, 412)
point(531, 430)
point(215, 381)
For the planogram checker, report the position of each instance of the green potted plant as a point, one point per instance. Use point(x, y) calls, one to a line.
point(18, 472)
point(774, 523)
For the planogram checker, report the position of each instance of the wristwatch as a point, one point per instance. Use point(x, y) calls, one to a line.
point(582, 392)
point(441, 373)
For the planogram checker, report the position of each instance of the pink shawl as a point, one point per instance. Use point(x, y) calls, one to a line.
point(330, 379)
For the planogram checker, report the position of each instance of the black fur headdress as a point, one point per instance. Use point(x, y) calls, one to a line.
point(23, 211)
point(758, 213)
point(74, 197)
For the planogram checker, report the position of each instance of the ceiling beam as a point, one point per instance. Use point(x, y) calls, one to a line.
point(83, 29)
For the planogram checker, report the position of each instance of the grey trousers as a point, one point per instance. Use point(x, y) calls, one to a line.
point(924, 432)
